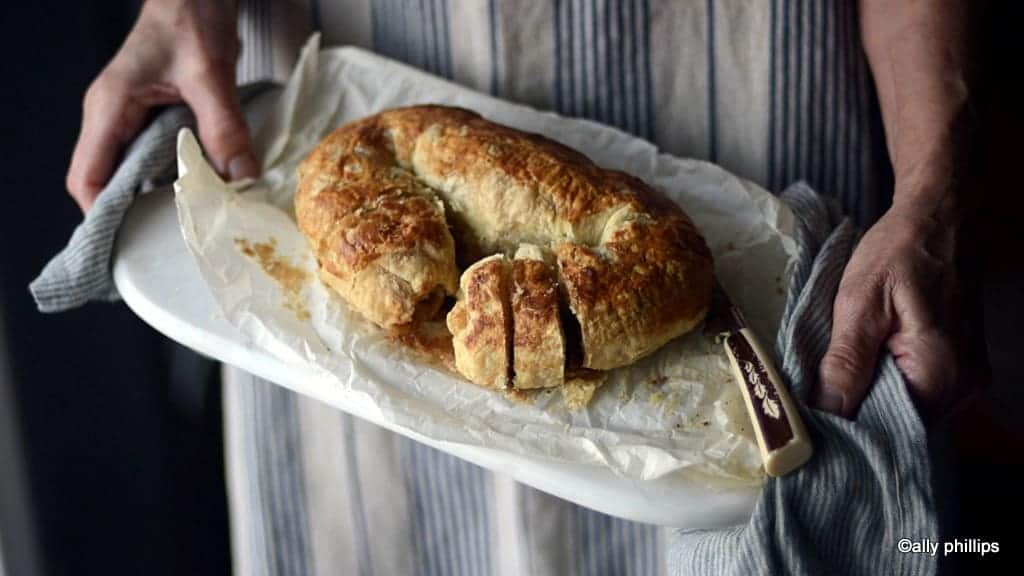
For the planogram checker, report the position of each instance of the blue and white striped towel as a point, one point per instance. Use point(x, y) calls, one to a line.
point(81, 271)
point(869, 483)
point(867, 486)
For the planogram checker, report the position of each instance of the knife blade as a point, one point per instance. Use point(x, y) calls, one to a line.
point(781, 436)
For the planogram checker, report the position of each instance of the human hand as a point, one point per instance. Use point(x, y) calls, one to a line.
point(899, 289)
point(178, 51)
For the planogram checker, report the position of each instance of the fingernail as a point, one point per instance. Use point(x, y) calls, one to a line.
point(830, 400)
point(243, 166)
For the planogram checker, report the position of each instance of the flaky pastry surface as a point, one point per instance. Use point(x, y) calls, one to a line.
point(395, 204)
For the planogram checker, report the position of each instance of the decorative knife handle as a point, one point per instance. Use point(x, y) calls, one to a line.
point(780, 431)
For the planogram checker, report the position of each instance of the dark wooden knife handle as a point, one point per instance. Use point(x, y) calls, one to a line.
point(780, 431)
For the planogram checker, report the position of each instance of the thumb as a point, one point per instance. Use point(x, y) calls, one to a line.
point(862, 319)
point(222, 128)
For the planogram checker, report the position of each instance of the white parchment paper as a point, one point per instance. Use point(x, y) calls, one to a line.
point(678, 411)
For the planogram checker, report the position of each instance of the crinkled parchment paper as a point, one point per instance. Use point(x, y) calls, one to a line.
point(676, 411)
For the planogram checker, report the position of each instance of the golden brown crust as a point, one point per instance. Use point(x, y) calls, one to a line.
point(538, 344)
point(632, 267)
point(379, 234)
point(647, 284)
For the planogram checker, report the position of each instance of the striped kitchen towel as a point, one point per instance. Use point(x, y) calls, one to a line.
point(81, 271)
point(869, 484)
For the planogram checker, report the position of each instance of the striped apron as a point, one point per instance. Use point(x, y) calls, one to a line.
point(774, 91)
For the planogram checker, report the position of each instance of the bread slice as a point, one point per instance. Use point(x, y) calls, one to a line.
point(538, 341)
point(481, 323)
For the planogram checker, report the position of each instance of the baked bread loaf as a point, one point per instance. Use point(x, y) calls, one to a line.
point(394, 203)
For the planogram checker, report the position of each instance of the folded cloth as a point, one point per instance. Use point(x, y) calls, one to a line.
point(845, 511)
point(868, 486)
point(81, 271)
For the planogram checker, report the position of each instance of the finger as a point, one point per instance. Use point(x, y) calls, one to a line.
point(861, 323)
point(110, 118)
point(924, 352)
point(222, 129)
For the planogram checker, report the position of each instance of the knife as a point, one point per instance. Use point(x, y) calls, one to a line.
point(781, 436)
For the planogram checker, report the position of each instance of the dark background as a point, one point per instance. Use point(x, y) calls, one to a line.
point(116, 428)
point(110, 435)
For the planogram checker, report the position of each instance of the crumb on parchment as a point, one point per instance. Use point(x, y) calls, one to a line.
point(289, 277)
point(578, 392)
